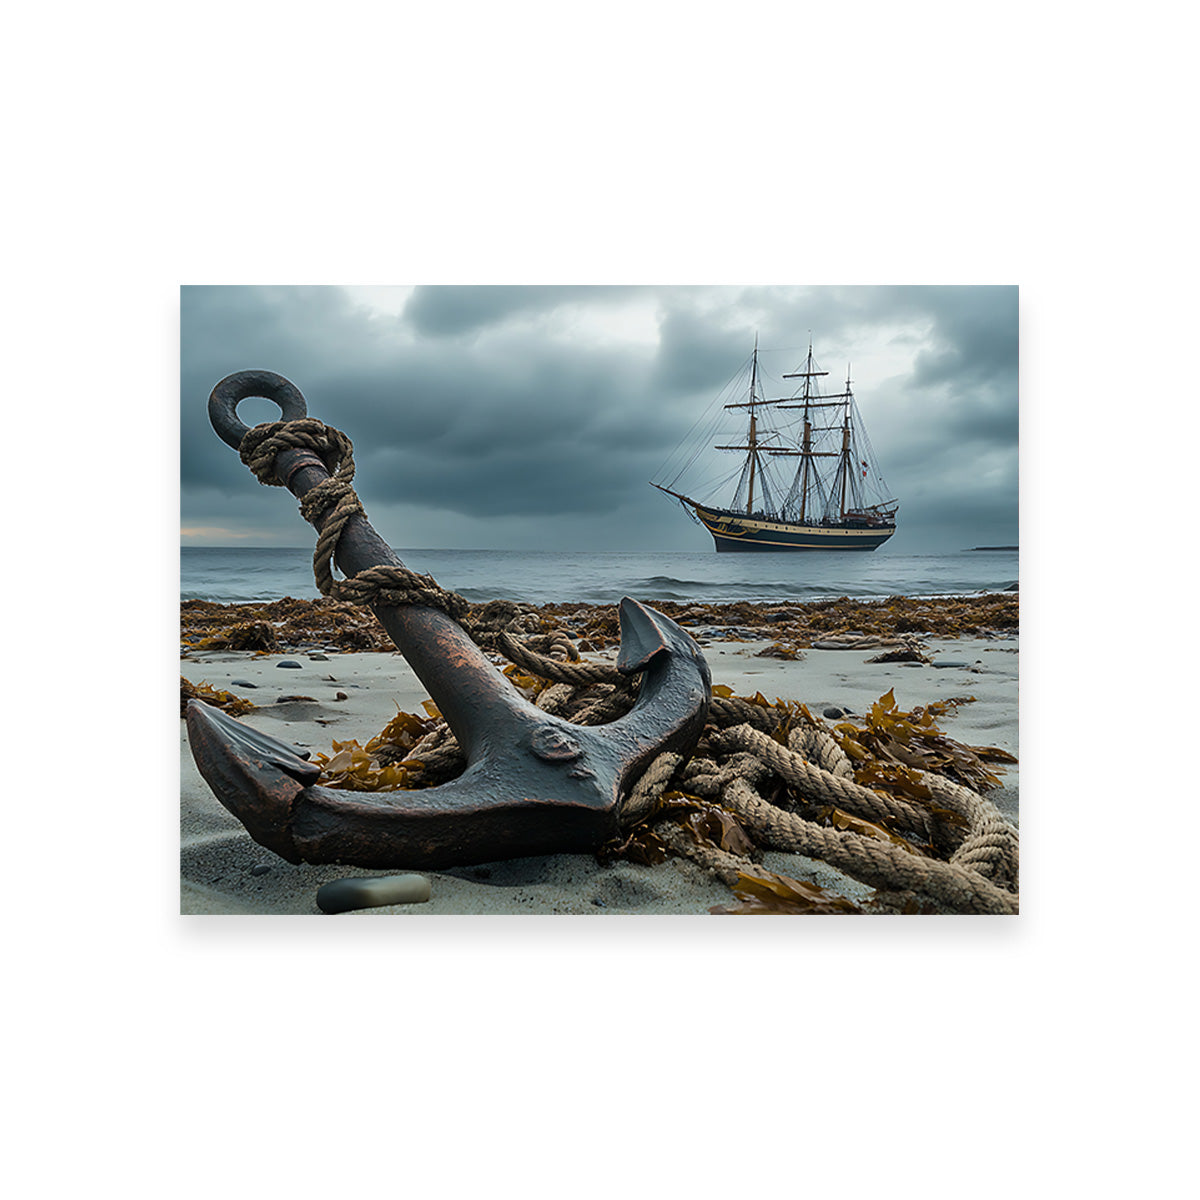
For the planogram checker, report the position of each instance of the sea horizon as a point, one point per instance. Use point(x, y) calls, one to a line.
point(257, 574)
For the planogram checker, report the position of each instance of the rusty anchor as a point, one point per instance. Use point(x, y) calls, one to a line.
point(533, 784)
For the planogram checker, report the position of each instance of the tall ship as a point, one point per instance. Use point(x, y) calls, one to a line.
point(830, 494)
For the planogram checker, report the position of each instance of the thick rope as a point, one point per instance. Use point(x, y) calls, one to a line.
point(725, 866)
point(815, 744)
point(880, 864)
point(818, 784)
point(644, 797)
point(577, 673)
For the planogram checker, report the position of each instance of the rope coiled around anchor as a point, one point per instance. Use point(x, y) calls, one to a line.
point(329, 506)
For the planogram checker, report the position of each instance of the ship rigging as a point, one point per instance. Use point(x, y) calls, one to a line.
point(835, 499)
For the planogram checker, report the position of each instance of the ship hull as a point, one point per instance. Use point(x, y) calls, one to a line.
point(738, 533)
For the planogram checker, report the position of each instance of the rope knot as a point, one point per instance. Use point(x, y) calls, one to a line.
point(263, 443)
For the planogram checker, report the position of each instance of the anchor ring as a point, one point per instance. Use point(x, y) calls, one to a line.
point(233, 389)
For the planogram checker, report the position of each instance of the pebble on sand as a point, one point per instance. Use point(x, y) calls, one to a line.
point(287, 662)
point(345, 895)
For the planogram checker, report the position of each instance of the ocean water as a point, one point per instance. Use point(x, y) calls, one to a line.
point(234, 575)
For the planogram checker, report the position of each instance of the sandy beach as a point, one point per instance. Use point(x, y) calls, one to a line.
point(225, 872)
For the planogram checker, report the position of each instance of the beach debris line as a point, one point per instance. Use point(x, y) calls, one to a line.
point(896, 622)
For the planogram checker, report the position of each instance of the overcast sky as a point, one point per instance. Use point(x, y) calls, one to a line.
point(533, 417)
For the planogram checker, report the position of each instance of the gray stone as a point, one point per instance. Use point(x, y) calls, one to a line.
point(242, 683)
point(287, 662)
point(345, 895)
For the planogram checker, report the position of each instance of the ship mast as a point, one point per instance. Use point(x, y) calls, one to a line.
point(845, 464)
point(753, 438)
point(753, 445)
point(808, 401)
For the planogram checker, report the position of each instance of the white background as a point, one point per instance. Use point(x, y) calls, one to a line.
point(150, 146)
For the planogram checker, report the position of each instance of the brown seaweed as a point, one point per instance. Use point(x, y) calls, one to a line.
point(765, 892)
point(226, 701)
point(331, 623)
point(891, 738)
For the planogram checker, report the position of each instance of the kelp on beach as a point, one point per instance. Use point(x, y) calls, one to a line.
point(291, 624)
point(279, 625)
point(227, 701)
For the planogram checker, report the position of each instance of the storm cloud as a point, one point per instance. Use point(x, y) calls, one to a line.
point(534, 417)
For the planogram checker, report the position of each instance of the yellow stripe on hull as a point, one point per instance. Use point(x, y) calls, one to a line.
point(748, 533)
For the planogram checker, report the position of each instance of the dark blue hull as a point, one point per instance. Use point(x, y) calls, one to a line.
point(736, 532)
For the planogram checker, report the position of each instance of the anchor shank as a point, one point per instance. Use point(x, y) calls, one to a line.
point(437, 648)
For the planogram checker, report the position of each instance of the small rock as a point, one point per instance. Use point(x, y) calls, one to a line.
point(943, 663)
point(345, 895)
point(318, 658)
point(259, 869)
point(341, 696)
point(242, 683)
point(289, 664)
point(833, 712)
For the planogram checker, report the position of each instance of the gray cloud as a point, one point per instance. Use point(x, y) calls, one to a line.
point(450, 310)
point(546, 410)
